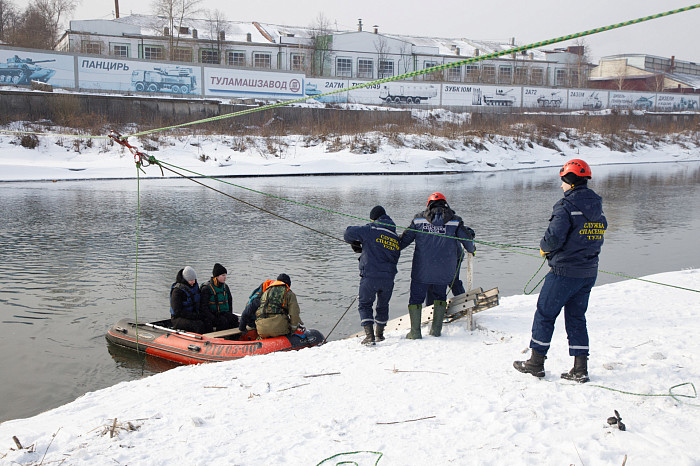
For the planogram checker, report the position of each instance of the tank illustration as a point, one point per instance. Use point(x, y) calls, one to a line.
point(500, 98)
point(24, 71)
point(554, 100)
point(592, 102)
point(399, 93)
point(643, 103)
point(178, 80)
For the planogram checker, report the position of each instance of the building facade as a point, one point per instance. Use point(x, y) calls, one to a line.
point(639, 72)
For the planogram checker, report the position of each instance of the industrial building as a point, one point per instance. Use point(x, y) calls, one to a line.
point(639, 72)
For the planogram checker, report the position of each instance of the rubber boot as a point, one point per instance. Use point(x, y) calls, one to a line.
point(369, 335)
point(534, 365)
point(579, 373)
point(414, 311)
point(380, 332)
point(439, 308)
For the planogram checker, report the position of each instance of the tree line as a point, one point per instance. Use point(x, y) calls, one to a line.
point(37, 26)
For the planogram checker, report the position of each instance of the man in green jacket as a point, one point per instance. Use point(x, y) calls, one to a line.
point(278, 313)
point(217, 301)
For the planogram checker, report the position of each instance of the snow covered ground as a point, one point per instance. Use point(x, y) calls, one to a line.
point(63, 158)
point(449, 400)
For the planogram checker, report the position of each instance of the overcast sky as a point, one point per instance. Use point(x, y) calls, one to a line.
point(528, 22)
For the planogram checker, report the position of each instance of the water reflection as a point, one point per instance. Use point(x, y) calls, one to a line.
point(68, 252)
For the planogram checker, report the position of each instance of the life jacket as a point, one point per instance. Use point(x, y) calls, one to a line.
point(218, 301)
point(273, 300)
point(191, 302)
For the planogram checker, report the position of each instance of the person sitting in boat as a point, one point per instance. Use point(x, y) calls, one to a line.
point(278, 313)
point(247, 320)
point(216, 300)
point(185, 312)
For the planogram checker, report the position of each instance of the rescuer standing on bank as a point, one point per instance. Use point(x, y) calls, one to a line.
point(571, 244)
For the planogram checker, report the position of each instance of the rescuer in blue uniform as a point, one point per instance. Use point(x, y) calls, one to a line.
point(379, 245)
point(571, 245)
point(440, 235)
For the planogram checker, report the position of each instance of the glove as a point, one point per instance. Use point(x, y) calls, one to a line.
point(300, 332)
point(356, 246)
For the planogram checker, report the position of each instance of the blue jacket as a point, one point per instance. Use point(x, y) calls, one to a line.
point(575, 234)
point(437, 250)
point(380, 247)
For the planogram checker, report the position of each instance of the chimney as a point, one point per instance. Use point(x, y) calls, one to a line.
point(476, 52)
point(376, 29)
point(457, 50)
point(673, 63)
point(249, 37)
point(222, 35)
point(166, 31)
point(359, 25)
point(116, 9)
point(194, 33)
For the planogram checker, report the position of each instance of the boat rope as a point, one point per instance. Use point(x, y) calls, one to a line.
point(136, 262)
point(145, 160)
point(675, 396)
point(341, 318)
point(412, 74)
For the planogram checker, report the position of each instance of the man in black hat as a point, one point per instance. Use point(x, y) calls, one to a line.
point(379, 245)
point(216, 300)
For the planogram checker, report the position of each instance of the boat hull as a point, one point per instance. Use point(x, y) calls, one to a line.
point(192, 348)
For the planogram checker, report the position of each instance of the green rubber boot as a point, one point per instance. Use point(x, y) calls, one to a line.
point(414, 311)
point(439, 308)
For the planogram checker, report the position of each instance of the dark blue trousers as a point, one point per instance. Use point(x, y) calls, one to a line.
point(371, 288)
point(572, 294)
point(457, 289)
point(419, 291)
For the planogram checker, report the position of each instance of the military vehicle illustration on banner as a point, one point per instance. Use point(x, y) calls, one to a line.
point(178, 80)
point(643, 103)
point(312, 91)
point(592, 102)
point(24, 71)
point(500, 98)
point(552, 100)
point(405, 93)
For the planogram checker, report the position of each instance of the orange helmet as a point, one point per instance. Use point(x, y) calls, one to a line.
point(576, 166)
point(436, 197)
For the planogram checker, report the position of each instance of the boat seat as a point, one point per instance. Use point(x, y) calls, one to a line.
point(223, 333)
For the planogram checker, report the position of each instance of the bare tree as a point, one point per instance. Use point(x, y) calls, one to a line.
point(32, 30)
point(381, 45)
point(406, 57)
point(218, 28)
point(54, 12)
point(580, 68)
point(172, 14)
point(8, 16)
point(322, 44)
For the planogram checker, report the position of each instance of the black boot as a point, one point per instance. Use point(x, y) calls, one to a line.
point(380, 332)
point(579, 373)
point(369, 338)
point(534, 365)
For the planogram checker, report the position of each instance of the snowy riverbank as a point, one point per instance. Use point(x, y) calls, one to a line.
point(452, 400)
point(62, 158)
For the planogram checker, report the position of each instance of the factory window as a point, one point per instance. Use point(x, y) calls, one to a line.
point(235, 59)
point(471, 73)
point(209, 56)
point(386, 68)
point(262, 60)
point(91, 47)
point(520, 75)
point(182, 54)
point(537, 76)
point(435, 75)
point(152, 52)
point(454, 74)
point(343, 67)
point(365, 68)
point(298, 62)
point(505, 74)
point(488, 74)
point(560, 78)
point(120, 50)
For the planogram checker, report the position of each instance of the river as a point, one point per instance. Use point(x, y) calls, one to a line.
point(68, 253)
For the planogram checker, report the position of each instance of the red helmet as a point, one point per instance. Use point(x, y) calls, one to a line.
point(436, 197)
point(576, 166)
